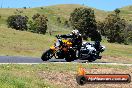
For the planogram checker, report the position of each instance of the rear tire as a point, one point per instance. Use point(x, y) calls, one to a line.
point(46, 55)
point(70, 56)
point(69, 59)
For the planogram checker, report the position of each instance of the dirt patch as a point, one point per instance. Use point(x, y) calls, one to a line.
point(64, 79)
point(67, 79)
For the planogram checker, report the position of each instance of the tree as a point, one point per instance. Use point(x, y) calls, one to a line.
point(115, 27)
point(83, 19)
point(117, 11)
point(18, 11)
point(101, 28)
point(41, 8)
point(38, 24)
point(17, 22)
point(35, 16)
point(25, 7)
point(128, 33)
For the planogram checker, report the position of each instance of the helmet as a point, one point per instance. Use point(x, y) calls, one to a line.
point(75, 32)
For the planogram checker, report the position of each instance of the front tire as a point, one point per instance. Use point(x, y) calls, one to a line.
point(91, 58)
point(47, 55)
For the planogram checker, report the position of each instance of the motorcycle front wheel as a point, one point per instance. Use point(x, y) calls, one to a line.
point(48, 54)
point(91, 58)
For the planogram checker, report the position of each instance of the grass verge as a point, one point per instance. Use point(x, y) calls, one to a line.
point(40, 76)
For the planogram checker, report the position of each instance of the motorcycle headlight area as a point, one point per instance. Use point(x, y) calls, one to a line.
point(57, 43)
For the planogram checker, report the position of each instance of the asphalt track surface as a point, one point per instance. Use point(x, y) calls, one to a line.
point(37, 60)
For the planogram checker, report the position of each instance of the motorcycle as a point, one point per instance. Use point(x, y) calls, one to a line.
point(91, 51)
point(63, 49)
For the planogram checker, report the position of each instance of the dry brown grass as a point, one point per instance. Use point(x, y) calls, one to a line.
point(67, 79)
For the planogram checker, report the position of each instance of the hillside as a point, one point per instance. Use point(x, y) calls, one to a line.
point(55, 75)
point(126, 12)
point(63, 11)
point(23, 43)
point(52, 12)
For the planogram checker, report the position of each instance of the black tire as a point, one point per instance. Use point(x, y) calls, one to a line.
point(91, 58)
point(69, 58)
point(81, 80)
point(46, 55)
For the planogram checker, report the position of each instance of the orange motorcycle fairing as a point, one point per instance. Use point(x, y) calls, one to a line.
point(52, 48)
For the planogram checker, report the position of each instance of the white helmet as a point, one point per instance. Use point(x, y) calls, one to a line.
point(76, 32)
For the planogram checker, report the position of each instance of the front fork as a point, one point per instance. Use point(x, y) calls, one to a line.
point(53, 53)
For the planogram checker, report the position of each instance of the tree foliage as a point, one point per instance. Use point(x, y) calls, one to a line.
point(128, 33)
point(101, 28)
point(117, 11)
point(25, 7)
point(113, 27)
point(17, 22)
point(38, 24)
point(83, 19)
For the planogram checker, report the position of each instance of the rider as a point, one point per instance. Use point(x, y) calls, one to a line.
point(97, 47)
point(76, 39)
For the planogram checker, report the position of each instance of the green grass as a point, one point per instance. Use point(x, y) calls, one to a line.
point(22, 43)
point(118, 50)
point(13, 42)
point(16, 76)
point(26, 76)
point(73, 67)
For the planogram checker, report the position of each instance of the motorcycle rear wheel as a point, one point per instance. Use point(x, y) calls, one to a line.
point(69, 58)
point(47, 55)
